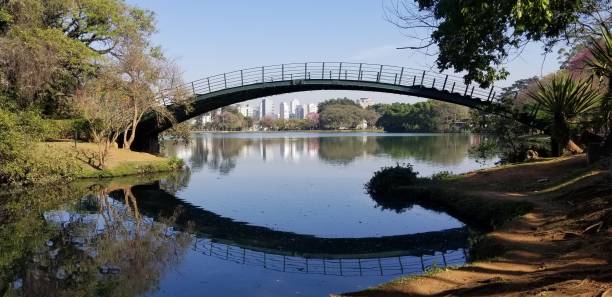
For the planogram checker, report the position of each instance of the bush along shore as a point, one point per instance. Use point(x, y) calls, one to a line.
point(399, 187)
point(36, 151)
point(50, 162)
point(546, 224)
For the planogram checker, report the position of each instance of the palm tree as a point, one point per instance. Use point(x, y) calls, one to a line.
point(564, 98)
point(600, 63)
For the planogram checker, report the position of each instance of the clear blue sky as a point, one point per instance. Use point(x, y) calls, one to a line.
point(210, 37)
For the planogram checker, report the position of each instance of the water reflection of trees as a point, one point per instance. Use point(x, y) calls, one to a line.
point(446, 149)
point(344, 150)
point(221, 152)
point(56, 245)
point(217, 153)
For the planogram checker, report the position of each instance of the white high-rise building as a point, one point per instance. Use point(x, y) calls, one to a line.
point(267, 108)
point(284, 111)
point(293, 105)
point(312, 108)
point(245, 110)
point(300, 113)
point(206, 118)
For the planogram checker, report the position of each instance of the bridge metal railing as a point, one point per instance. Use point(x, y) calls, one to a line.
point(364, 266)
point(384, 74)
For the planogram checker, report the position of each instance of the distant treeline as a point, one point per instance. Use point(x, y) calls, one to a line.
point(344, 113)
point(427, 116)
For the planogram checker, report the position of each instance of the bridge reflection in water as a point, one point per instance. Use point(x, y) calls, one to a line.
point(223, 238)
point(398, 265)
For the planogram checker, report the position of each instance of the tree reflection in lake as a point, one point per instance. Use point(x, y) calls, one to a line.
point(220, 152)
point(77, 241)
point(119, 237)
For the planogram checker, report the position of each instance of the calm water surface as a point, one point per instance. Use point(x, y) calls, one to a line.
point(257, 214)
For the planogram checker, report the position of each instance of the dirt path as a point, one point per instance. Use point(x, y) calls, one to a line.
point(563, 247)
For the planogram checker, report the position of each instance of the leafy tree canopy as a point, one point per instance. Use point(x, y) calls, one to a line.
point(96, 23)
point(338, 101)
point(49, 48)
point(477, 37)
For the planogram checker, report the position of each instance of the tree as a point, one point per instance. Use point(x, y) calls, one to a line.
point(339, 101)
point(600, 62)
point(564, 99)
point(267, 123)
point(98, 24)
point(48, 49)
point(102, 105)
point(148, 81)
point(39, 67)
point(478, 36)
point(428, 116)
point(345, 116)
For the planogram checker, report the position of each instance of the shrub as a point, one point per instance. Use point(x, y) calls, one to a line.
point(442, 175)
point(59, 129)
point(387, 178)
point(21, 161)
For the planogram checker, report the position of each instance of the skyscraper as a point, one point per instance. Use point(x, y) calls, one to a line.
point(245, 110)
point(300, 113)
point(284, 111)
point(312, 108)
point(294, 105)
point(267, 108)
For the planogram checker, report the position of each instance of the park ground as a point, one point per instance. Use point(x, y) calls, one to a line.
point(119, 162)
point(562, 246)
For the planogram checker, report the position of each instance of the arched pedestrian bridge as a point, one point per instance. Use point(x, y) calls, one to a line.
point(220, 90)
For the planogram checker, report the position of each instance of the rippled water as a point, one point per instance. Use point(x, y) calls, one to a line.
point(257, 214)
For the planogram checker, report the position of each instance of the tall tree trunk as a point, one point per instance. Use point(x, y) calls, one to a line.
point(127, 141)
point(559, 135)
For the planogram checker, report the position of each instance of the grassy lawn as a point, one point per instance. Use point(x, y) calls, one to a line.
point(119, 162)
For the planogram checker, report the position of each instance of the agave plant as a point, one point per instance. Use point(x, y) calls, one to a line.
point(564, 98)
point(601, 64)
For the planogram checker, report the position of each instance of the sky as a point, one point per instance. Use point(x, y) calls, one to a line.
point(210, 37)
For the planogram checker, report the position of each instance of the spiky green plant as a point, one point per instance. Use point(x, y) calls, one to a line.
point(600, 63)
point(564, 98)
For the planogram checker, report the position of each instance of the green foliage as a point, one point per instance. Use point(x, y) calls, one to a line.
point(338, 101)
point(565, 98)
point(64, 129)
point(442, 175)
point(22, 161)
point(42, 66)
point(512, 149)
point(49, 48)
point(271, 124)
point(509, 137)
point(387, 178)
point(344, 114)
point(478, 36)
point(136, 168)
point(229, 120)
point(428, 116)
point(601, 64)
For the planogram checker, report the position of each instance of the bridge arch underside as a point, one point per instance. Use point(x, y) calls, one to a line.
point(149, 129)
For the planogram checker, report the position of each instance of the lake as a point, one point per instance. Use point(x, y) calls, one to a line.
point(255, 214)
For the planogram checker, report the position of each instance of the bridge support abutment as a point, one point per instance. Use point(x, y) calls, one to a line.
point(147, 143)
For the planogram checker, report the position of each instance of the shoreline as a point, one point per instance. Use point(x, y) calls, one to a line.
point(67, 163)
point(329, 131)
point(549, 247)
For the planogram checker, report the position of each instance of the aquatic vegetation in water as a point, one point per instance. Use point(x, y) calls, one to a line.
point(385, 179)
